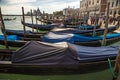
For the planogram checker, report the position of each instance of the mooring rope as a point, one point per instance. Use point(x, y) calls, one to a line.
point(110, 67)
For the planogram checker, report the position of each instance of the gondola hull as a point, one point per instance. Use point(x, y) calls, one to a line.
point(90, 43)
point(7, 66)
point(21, 34)
point(98, 31)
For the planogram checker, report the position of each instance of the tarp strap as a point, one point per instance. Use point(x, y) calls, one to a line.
point(110, 67)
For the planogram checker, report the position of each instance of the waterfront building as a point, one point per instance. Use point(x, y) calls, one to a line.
point(91, 7)
point(115, 8)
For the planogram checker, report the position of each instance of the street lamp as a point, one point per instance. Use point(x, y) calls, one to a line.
point(106, 23)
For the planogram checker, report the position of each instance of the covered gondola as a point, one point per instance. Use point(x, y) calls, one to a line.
point(50, 21)
point(8, 19)
point(40, 26)
point(98, 31)
point(39, 56)
point(28, 33)
point(54, 37)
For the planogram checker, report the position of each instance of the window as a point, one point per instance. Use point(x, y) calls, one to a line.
point(117, 3)
point(89, 2)
point(97, 1)
point(103, 1)
point(119, 12)
point(112, 4)
point(92, 2)
point(114, 13)
point(110, 12)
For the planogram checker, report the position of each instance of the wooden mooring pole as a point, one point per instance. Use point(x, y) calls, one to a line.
point(106, 26)
point(32, 20)
point(117, 66)
point(23, 15)
point(95, 17)
point(36, 20)
point(3, 29)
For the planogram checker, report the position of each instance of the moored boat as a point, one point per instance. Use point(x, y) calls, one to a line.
point(54, 37)
point(39, 56)
point(98, 31)
point(40, 26)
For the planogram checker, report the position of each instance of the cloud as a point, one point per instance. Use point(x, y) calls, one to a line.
point(74, 4)
point(14, 6)
point(16, 9)
point(19, 1)
point(54, 5)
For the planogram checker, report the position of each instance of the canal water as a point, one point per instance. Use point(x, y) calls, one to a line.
point(16, 24)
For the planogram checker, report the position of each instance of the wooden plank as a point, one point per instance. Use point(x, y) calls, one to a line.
point(5, 62)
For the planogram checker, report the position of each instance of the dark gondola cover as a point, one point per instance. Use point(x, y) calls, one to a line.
point(20, 33)
point(60, 54)
point(78, 31)
point(40, 26)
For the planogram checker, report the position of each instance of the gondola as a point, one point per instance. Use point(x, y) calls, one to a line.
point(8, 19)
point(71, 38)
point(45, 21)
point(16, 41)
point(54, 37)
point(39, 56)
point(98, 31)
point(73, 22)
point(28, 33)
point(40, 26)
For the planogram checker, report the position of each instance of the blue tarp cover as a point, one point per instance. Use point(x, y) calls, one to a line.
point(10, 37)
point(95, 53)
point(54, 37)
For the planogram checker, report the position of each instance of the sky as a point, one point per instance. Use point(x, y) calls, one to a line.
point(49, 6)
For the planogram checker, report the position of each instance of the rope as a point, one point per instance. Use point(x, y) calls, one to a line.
point(110, 67)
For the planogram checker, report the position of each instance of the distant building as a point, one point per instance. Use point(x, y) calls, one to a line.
point(90, 7)
point(71, 12)
point(68, 11)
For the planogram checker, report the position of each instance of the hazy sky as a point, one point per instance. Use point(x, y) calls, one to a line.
point(14, 6)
